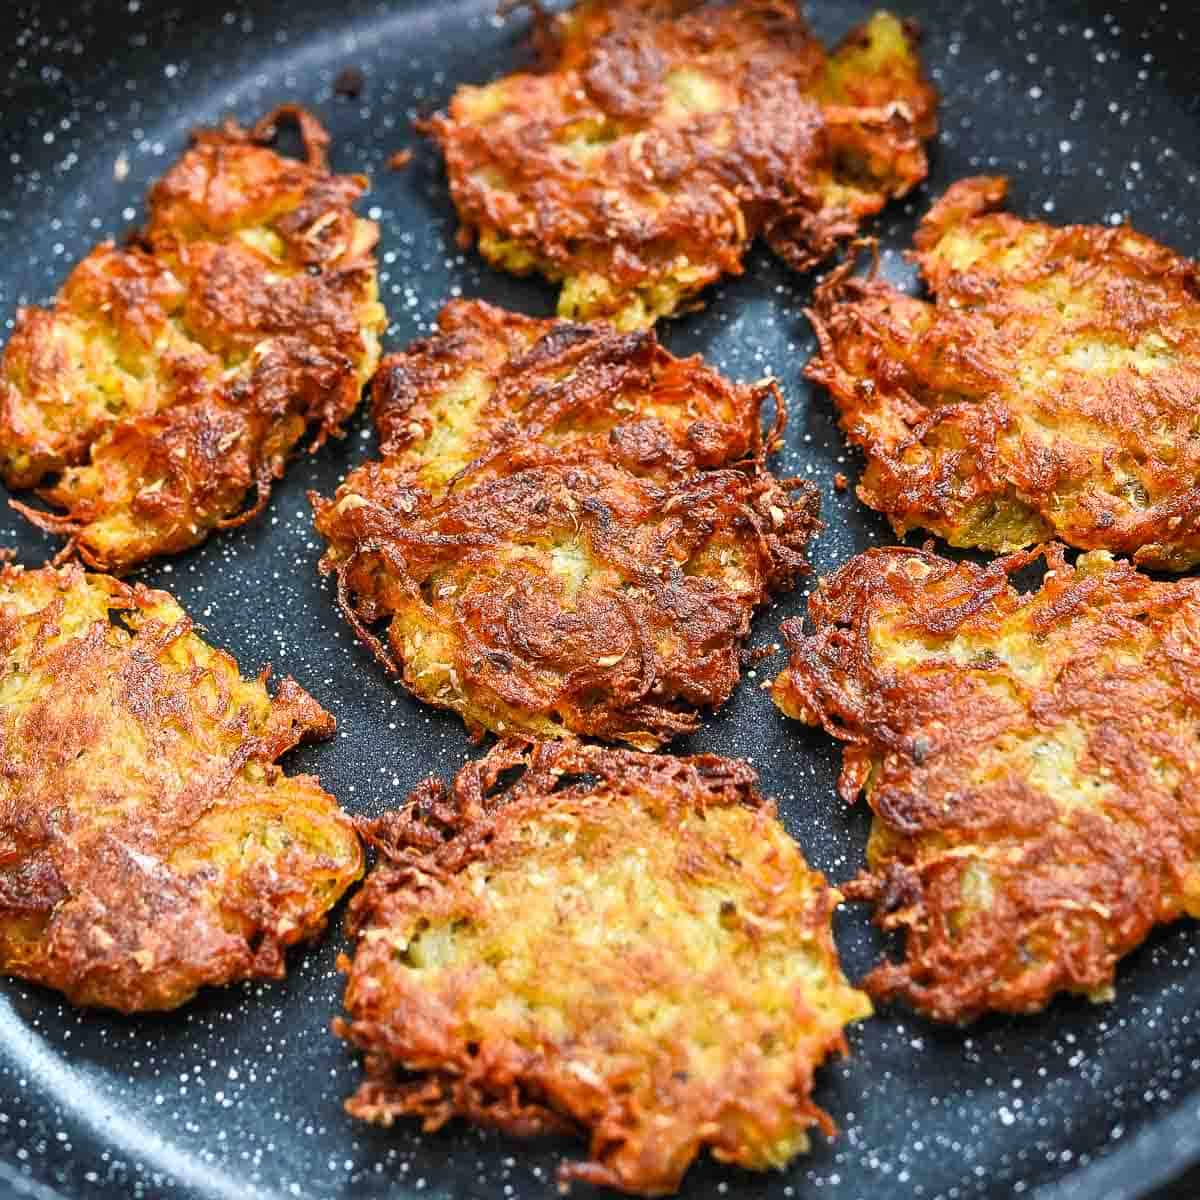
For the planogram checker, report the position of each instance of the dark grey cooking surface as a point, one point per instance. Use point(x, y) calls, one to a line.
point(1093, 111)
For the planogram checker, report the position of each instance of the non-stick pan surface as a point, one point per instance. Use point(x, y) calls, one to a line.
point(1093, 111)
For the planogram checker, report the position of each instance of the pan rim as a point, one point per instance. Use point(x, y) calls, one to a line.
point(1129, 1173)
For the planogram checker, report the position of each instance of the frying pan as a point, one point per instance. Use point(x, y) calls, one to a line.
point(1091, 108)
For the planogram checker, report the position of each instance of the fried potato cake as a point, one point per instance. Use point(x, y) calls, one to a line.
point(148, 843)
point(569, 529)
point(660, 138)
point(1032, 761)
point(1048, 389)
point(624, 946)
point(174, 375)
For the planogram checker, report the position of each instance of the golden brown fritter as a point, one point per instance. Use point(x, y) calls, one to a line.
point(174, 375)
point(661, 137)
point(1049, 389)
point(620, 945)
point(569, 530)
point(148, 843)
point(1032, 760)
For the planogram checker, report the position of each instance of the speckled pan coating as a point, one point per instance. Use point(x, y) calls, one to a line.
point(240, 1095)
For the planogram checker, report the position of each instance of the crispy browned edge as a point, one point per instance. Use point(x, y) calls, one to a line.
point(850, 315)
point(188, 437)
point(876, 125)
point(90, 954)
point(438, 833)
point(1086, 893)
point(720, 468)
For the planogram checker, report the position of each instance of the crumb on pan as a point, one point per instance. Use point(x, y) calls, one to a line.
point(350, 82)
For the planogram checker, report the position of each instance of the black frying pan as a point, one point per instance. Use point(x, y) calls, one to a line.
point(1091, 108)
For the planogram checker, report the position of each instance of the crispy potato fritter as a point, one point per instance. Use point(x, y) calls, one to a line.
point(660, 138)
point(624, 946)
point(174, 375)
point(148, 844)
point(1049, 389)
point(1032, 761)
point(569, 530)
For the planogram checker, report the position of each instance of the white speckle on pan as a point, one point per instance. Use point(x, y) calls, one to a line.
point(1083, 120)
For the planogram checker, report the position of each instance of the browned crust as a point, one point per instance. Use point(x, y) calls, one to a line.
point(1048, 388)
point(148, 844)
point(175, 375)
point(1031, 761)
point(649, 468)
point(648, 1106)
point(792, 147)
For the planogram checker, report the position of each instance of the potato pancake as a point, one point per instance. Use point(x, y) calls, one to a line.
point(1032, 761)
point(660, 138)
point(569, 529)
point(619, 945)
point(1049, 389)
point(176, 374)
point(148, 843)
